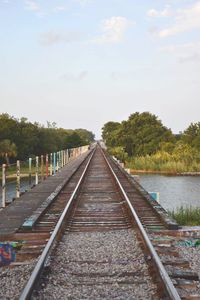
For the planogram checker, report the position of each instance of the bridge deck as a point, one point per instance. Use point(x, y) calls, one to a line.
point(13, 216)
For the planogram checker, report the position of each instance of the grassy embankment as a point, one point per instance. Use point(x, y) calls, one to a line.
point(187, 216)
point(155, 164)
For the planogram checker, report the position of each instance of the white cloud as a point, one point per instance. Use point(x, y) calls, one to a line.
point(83, 2)
point(194, 46)
point(193, 58)
point(185, 20)
point(185, 53)
point(78, 77)
point(60, 8)
point(53, 37)
point(166, 12)
point(113, 30)
point(32, 5)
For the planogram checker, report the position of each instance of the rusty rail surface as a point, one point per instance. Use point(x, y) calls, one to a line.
point(79, 222)
point(26, 293)
point(172, 292)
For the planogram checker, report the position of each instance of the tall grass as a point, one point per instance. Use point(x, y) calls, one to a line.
point(158, 163)
point(189, 216)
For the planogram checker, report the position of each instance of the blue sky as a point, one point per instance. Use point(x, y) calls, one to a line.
point(82, 63)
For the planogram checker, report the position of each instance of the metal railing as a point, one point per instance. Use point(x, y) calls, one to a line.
point(21, 176)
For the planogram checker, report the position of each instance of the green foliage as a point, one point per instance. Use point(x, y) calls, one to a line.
point(119, 153)
point(110, 134)
point(141, 134)
point(29, 139)
point(151, 146)
point(191, 135)
point(189, 216)
point(7, 150)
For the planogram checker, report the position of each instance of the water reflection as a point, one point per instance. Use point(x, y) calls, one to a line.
point(174, 190)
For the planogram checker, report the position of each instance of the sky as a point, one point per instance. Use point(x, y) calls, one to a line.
point(82, 63)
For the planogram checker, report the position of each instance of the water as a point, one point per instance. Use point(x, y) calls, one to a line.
point(11, 188)
point(175, 191)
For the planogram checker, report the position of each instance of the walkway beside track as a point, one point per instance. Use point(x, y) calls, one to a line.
point(13, 216)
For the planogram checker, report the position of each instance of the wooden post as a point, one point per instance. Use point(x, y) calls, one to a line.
point(30, 172)
point(57, 162)
point(18, 179)
point(54, 163)
point(42, 167)
point(51, 164)
point(47, 165)
point(62, 158)
point(3, 204)
point(36, 169)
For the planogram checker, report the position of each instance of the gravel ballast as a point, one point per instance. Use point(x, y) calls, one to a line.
point(97, 265)
point(13, 280)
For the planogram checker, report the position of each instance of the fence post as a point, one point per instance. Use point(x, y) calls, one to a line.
point(30, 171)
point(36, 169)
point(62, 158)
point(47, 165)
point(51, 166)
point(3, 204)
point(18, 180)
point(42, 167)
point(54, 163)
point(57, 162)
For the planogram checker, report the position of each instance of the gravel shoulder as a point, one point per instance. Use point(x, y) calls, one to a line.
point(97, 265)
point(13, 280)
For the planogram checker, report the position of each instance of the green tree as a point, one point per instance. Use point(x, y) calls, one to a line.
point(184, 152)
point(110, 134)
point(142, 134)
point(7, 150)
point(191, 135)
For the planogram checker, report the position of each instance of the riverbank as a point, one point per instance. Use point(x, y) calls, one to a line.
point(173, 173)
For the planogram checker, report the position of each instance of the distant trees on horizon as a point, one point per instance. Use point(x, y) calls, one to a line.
point(143, 138)
point(19, 138)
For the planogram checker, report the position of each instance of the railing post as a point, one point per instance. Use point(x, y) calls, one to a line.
point(54, 163)
point(42, 167)
point(30, 172)
point(18, 180)
point(62, 158)
point(47, 165)
point(65, 156)
point(57, 162)
point(36, 169)
point(3, 204)
point(51, 166)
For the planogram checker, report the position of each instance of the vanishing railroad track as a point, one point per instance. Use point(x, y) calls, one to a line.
point(110, 247)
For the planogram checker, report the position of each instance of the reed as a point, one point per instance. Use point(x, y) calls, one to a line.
point(152, 163)
point(186, 216)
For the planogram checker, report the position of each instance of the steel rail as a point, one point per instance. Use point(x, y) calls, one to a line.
point(173, 294)
point(28, 289)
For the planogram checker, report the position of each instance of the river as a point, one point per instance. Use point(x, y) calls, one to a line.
point(175, 191)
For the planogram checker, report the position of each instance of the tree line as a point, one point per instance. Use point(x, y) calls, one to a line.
point(145, 143)
point(20, 138)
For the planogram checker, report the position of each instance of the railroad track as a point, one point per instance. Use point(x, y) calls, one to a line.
point(106, 219)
